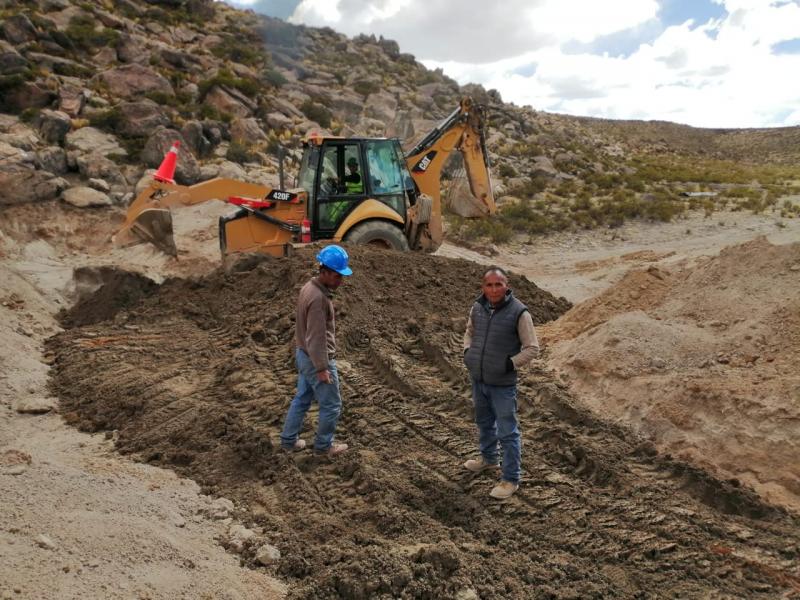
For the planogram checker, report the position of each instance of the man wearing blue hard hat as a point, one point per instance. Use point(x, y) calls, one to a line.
point(315, 338)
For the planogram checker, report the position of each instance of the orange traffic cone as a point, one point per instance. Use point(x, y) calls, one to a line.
point(166, 170)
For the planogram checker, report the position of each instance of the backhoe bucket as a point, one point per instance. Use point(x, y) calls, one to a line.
point(153, 225)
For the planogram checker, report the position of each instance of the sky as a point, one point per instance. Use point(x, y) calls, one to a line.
point(706, 63)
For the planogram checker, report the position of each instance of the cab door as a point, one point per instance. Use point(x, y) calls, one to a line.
point(338, 190)
point(388, 177)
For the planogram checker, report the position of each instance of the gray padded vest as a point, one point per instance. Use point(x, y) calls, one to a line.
point(494, 339)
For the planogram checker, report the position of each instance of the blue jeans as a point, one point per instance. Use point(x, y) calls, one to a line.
point(309, 388)
point(496, 417)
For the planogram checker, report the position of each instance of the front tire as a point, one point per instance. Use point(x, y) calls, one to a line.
point(380, 234)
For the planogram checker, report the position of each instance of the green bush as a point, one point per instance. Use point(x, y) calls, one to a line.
point(530, 188)
point(317, 112)
point(274, 78)
point(497, 231)
point(224, 77)
point(29, 115)
point(84, 35)
point(743, 192)
point(240, 51)
point(506, 170)
point(365, 88)
point(240, 153)
point(108, 119)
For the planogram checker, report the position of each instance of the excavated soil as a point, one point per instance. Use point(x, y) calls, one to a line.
point(198, 373)
point(702, 358)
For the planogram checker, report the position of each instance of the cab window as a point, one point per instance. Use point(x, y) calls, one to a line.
point(341, 184)
point(385, 174)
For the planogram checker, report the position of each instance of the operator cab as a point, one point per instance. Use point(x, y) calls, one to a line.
point(340, 173)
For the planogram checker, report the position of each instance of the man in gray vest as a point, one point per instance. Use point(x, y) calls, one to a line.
point(499, 340)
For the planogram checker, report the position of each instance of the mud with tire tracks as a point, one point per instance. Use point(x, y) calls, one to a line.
point(198, 373)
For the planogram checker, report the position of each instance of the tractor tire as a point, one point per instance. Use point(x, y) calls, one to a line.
point(378, 233)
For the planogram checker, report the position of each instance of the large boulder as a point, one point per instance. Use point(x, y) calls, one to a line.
point(28, 94)
point(247, 131)
point(19, 135)
point(11, 61)
point(72, 99)
point(347, 106)
point(196, 139)
point(131, 49)
point(184, 61)
point(53, 125)
point(56, 64)
point(97, 166)
point(14, 154)
point(140, 118)
point(62, 18)
point(18, 29)
point(287, 108)
point(543, 167)
point(132, 81)
point(279, 121)
point(20, 184)
point(89, 139)
point(187, 171)
point(52, 159)
point(85, 197)
point(381, 106)
point(402, 127)
point(230, 101)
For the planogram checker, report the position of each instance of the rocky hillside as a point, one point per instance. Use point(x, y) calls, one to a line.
point(93, 93)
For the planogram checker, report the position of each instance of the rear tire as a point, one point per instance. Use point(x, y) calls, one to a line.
point(378, 233)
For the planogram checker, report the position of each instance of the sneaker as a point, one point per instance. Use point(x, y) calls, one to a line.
point(476, 465)
point(332, 450)
point(503, 490)
point(299, 444)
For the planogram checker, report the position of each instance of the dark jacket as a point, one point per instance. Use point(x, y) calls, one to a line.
point(316, 324)
point(494, 340)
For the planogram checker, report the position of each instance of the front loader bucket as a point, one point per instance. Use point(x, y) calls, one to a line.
point(153, 225)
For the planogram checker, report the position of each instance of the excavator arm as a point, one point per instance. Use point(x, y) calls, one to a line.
point(463, 131)
point(149, 218)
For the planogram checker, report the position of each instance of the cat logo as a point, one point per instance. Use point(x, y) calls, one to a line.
point(424, 162)
point(281, 196)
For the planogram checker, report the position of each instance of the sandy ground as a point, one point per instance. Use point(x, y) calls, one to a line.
point(583, 264)
point(76, 519)
point(686, 332)
point(153, 534)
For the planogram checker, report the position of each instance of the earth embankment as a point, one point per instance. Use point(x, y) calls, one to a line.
point(197, 376)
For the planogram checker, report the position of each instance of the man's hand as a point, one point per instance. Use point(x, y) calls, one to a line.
point(324, 376)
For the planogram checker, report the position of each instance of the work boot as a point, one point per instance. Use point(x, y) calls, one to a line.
point(299, 444)
point(504, 489)
point(476, 465)
point(332, 450)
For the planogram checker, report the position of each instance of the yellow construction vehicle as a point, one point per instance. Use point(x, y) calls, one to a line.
point(359, 190)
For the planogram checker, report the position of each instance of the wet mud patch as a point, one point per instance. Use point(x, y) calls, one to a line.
point(197, 375)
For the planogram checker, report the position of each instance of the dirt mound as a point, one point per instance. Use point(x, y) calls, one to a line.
point(198, 376)
point(703, 359)
point(102, 293)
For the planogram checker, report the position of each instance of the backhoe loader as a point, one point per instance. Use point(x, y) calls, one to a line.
point(359, 190)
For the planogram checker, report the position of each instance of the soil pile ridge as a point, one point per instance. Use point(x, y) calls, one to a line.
point(198, 376)
point(703, 358)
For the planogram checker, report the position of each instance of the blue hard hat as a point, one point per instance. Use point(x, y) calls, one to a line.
point(335, 258)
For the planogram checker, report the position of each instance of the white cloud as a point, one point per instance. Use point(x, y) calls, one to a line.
point(586, 21)
point(716, 74)
point(476, 30)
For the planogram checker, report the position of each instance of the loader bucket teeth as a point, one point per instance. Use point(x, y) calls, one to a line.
point(154, 225)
